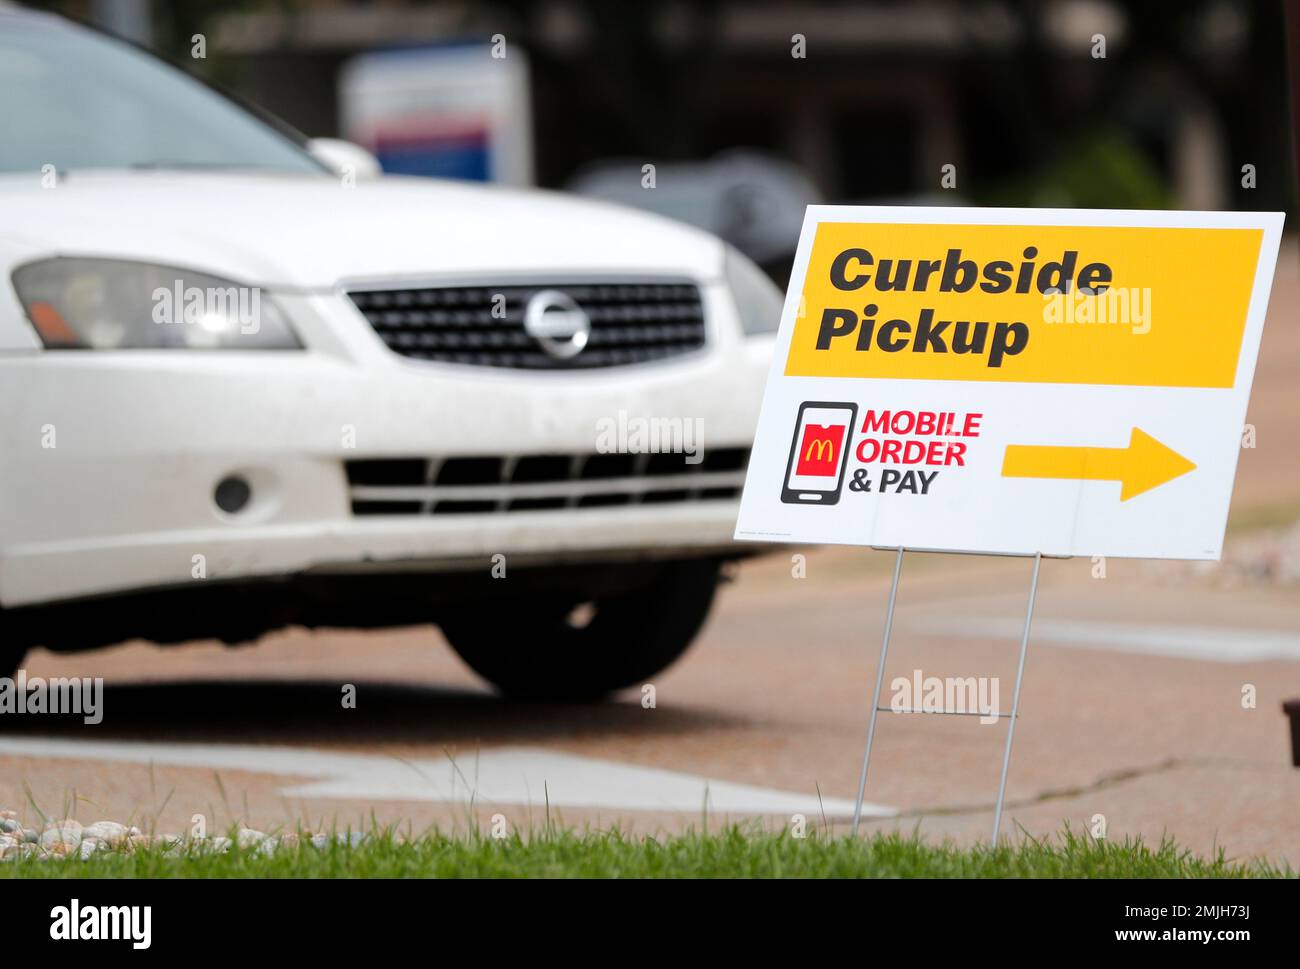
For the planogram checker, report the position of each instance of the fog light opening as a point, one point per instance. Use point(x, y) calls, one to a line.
point(232, 494)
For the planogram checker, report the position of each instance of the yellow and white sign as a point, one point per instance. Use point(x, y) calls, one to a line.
point(1071, 382)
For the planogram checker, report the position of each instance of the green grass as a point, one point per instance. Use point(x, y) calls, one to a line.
point(733, 852)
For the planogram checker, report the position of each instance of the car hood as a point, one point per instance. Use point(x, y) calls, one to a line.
point(307, 232)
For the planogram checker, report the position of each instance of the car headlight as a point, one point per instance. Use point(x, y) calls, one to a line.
point(758, 300)
point(116, 304)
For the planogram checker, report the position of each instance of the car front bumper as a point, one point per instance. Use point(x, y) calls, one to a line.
point(109, 461)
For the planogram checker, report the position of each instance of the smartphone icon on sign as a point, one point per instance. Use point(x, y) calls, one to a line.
point(819, 453)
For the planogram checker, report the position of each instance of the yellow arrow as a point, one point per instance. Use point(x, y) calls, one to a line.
point(1143, 465)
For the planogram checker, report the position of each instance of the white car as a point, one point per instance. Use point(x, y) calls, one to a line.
point(240, 390)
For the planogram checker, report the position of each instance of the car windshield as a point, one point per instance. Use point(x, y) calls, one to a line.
point(75, 99)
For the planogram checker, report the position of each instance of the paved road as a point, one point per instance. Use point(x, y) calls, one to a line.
point(771, 708)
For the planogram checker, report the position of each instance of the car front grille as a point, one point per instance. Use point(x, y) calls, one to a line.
point(629, 322)
point(540, 482)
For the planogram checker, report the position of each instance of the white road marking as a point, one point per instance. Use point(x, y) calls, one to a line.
point(498, 776)
point(1218, 644)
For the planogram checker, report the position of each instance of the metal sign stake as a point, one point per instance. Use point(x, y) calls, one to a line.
point(1015, 700)
point(875, 697)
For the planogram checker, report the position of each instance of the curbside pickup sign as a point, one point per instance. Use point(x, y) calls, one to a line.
point(1070, 382)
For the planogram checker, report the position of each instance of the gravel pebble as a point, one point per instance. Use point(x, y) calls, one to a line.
point(67, 838)
point(249, 838)
point(19, 852)
point(66, 832)
point(110, 831)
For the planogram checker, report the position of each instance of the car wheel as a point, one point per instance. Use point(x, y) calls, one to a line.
point(577, 650)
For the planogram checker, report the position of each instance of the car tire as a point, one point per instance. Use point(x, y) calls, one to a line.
point(534, 649)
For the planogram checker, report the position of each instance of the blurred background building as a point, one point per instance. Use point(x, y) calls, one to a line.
point(748, 111)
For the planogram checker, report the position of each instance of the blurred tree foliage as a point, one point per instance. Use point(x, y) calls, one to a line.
point(1099, 170)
